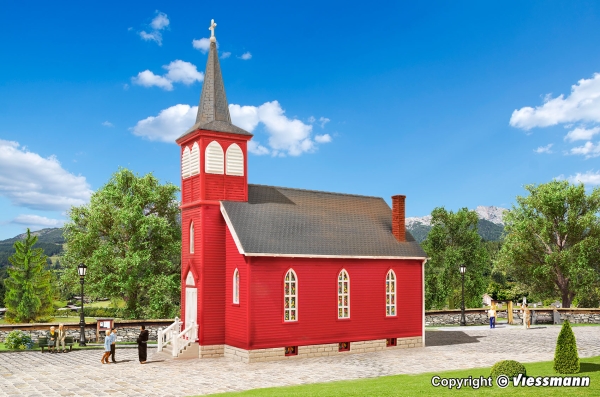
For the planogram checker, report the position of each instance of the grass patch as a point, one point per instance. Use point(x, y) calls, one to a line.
point(420, 385)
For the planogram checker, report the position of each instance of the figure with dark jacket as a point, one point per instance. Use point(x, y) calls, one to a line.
point(142, 342)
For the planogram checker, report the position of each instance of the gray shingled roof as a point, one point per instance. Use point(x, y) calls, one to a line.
point(213, 110)
point(284, 221)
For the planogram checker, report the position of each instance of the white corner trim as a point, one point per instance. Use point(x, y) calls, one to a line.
point(423, 290)
point(238, 244)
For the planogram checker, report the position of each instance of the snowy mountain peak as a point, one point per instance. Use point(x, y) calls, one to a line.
point(491, 213)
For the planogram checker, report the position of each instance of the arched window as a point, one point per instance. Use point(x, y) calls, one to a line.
point(195, 159)
point(390, 293)
point(213, 158)
point(192, 238)
point(185, 163)
point(236, 286)
point(290, 296)
point(234, 161)
point(343, 295)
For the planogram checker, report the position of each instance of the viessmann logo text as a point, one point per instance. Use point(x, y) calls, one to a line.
point(518, 381)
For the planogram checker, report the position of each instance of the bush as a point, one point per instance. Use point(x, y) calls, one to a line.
point(566, 359)
point(509, 368)
point(18, 340)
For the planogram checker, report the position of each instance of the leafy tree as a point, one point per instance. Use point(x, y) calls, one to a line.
point(566, 358)
point(28, 294)
point(552, 242)
point(452, 241)
point(130, 238)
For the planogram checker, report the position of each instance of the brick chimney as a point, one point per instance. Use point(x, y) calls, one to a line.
point(398, 217)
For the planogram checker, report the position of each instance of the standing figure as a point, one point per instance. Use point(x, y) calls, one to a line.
point(62, 334)
point(107, 342)
point(52, 335)
point(142, 341)
point(492, 315)
point(526, 315)
point(113, 335)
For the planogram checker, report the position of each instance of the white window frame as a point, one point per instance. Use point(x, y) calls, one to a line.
point(214, 159)
point(290, 296)
point(192, 237)
point(194, 165)
point(391, 290)
point(185, 163)
point(236, 287)
point(234, 160)
point(343, 288)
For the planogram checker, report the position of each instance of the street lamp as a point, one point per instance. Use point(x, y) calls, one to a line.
point(463, 269)
point(81, 269)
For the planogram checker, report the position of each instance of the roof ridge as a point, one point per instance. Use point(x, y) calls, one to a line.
point(316, 191)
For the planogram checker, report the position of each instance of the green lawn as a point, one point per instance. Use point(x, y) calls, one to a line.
point(420, 385)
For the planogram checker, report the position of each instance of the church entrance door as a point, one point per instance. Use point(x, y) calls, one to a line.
point(191, 306)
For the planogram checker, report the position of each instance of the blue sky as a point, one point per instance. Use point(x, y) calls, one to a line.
point(454, 104)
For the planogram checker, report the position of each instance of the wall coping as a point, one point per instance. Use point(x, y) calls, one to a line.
point(88, 324)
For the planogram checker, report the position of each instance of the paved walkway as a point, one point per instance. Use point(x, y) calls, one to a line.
point(79, 373)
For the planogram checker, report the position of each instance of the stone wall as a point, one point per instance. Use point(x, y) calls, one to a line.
point(540, 316)
point(328, 349)
point(124, 333)
point(452, 317)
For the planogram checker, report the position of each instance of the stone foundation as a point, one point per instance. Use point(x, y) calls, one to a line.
point(328, 349)
point(212, 351)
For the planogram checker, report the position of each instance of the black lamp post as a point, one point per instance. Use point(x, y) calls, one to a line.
point(463, 320)
point(81, 269)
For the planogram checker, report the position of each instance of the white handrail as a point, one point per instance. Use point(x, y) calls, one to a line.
point(166, 336)
point(185, 338)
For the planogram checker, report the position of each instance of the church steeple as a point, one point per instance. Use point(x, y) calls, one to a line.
point(213, 110)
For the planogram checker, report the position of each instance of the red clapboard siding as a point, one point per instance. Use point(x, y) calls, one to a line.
point(211, 295)
point(317, 301)
point(236, 319)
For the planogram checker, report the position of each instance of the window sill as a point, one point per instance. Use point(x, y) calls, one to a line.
point(235, 304)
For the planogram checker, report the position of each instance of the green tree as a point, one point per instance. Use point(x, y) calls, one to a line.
point(452, 241)
point(566, 358)
point(28, 295)
point(552, 242)
point(130, 238)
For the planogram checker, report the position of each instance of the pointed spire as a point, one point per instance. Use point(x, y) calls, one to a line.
point(213, 101)
point(213, 110)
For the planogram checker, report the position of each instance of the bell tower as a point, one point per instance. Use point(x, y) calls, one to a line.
point(214, 168)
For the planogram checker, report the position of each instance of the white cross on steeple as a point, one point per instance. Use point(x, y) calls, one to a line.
point(212, 27)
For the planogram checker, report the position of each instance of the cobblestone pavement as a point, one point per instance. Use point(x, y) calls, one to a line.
point(79, 373)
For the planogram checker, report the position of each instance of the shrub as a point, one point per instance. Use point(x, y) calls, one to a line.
point(566, 359)
point(18, 340)
point(509, 368)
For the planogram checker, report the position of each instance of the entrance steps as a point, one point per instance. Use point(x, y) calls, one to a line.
point(190, 351)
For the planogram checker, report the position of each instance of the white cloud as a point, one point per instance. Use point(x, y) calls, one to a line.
point(544, 149)
point(108, 124)
point(225, 55)
point(245, 56)
point(33, 221)
point(312, 119)
point(588, 178)
point(149, 79)
point(582, 105)
point(169, 125)
point(286, 136)
point(323, 138)
point(29, 180)
point(202, 44)
point(152, 36)
point(160, 21)
point(178, 71)
point(582, 134)
point(323, 121)
point(257, 148)
point(183, 72)
point(588, 150)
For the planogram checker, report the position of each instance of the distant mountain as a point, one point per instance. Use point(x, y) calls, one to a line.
point(490, 225)
point(50, 240)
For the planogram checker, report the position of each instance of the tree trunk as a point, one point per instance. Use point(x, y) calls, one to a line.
point(567, 298)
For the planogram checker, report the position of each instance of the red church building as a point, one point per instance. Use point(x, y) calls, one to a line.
point(274, 273)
